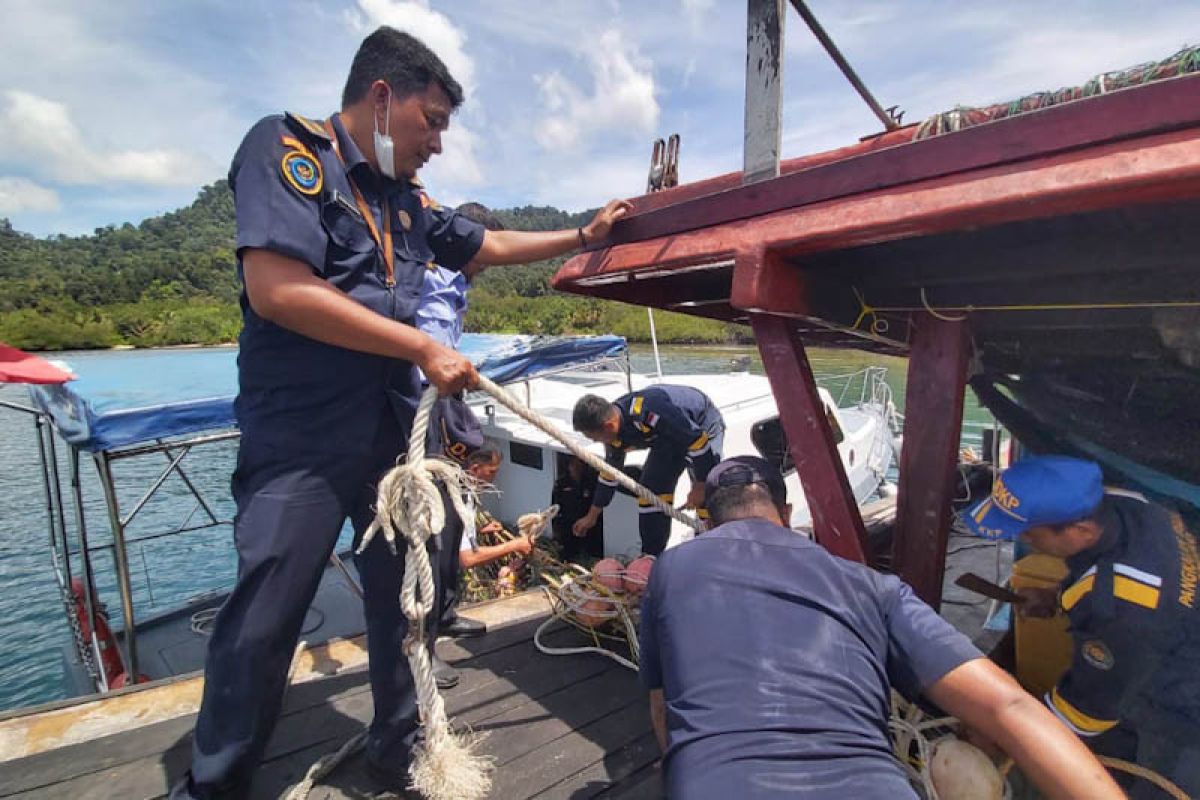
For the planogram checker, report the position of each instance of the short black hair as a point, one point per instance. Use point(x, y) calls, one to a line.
point(745, 500)
point(478, 212)
point(590, 414)
point(484, 455)
point(403, 61)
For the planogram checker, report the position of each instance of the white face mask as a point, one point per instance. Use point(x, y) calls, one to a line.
point(385, 148)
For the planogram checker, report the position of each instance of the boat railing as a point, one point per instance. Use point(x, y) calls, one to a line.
point(73, 553)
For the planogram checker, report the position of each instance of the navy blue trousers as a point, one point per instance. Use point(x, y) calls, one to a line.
point(291, 508)
point(660, 474)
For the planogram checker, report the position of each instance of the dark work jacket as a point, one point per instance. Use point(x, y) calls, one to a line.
point(1132, 604)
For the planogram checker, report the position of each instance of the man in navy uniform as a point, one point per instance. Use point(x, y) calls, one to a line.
point(682, 428)
point(1133, 687)
point(334, 236)
point(770, 662)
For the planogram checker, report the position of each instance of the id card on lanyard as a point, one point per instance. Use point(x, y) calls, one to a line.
point(384, 241)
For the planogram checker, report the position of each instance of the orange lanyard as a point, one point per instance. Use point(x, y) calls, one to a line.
point(383, 242)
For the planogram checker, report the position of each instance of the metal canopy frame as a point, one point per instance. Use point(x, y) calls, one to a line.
point(63, 549)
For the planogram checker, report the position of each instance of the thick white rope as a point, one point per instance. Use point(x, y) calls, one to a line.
point(585, 455)
point(409, 503)
point(571, 651)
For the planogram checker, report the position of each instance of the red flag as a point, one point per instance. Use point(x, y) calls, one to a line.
point(17, 366)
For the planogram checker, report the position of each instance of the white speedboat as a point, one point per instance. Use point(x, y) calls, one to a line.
point(863, 425)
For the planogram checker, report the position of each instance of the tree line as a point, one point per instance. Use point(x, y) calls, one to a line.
point(172, 280)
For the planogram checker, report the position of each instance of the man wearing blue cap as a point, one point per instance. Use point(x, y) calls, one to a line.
point(770, 664)
point(1133, 687)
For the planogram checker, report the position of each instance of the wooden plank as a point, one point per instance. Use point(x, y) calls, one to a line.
point(837, 524)
point(500, 680)
point(524, 730)
point(608, 773)
point(645, 784)
point(933, 408)
point(557, 760)
point(1152, 108)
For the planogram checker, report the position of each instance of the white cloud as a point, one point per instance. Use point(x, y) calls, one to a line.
point(19, 195)
point(41, 134)
point(432, 27)
point(697, 12)
point(621, 97)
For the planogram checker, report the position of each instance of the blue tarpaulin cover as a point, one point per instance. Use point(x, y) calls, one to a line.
point(147, 395)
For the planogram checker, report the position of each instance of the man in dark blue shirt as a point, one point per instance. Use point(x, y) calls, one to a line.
point(770, 664)
point(334, 235)
point(1133, 687)
point(682, 428)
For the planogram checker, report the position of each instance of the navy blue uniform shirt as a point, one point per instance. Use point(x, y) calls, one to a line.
point(1132, 602)
point(776, 658)
point(294, 197)
point(677, 417)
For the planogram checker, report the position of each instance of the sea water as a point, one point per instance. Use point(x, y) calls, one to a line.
point(167, 571)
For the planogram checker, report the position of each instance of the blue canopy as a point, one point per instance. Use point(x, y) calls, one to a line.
point(141, 396)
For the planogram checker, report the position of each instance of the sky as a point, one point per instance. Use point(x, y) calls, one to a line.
point(118, 111)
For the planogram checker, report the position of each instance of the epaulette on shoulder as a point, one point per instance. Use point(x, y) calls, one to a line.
point(306, 126)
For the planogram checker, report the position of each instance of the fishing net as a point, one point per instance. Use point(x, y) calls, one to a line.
point(1184, 62)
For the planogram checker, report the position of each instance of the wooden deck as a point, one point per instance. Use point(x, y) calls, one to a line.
point(558, 726)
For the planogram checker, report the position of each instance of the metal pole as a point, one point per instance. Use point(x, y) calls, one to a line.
point(121, 560)
point(59, 506)
point(832, 49)
point(341, 566)
point(654, 342)
point(39, 424)
point(89, 580)
point(188, 482)
point(763, 128)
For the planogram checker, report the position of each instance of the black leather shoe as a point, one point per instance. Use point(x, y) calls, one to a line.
point(392, 780)
point(461, 627)
point(445, 675)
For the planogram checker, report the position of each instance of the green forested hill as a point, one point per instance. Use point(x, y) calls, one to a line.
point(172, 280)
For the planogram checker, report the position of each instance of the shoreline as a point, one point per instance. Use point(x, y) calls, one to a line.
point(731, 346)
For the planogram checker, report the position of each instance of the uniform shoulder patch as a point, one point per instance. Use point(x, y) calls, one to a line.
point(306, 125)
point(1096, 653)
point(302, 171)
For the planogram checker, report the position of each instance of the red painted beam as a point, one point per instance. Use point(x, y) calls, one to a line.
point(933, 408)
point(1141, 111)
point(1155, 169)
point(837, 524)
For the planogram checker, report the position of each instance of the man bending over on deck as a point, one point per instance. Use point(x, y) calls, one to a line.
point(682, 428)
point(1133, 688)
point(770, 664)
point(333, 236)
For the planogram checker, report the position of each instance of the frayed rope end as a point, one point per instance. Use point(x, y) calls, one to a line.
point(448, 769)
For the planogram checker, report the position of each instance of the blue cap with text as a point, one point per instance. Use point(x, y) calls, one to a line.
point(1043, 490)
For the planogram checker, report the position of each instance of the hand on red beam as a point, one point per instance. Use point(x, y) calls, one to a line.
point(602, 223)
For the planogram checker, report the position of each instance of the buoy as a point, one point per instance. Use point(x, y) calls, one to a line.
point(594, 613)
point(961, 771)
point(609, 572)
point(637, 574)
